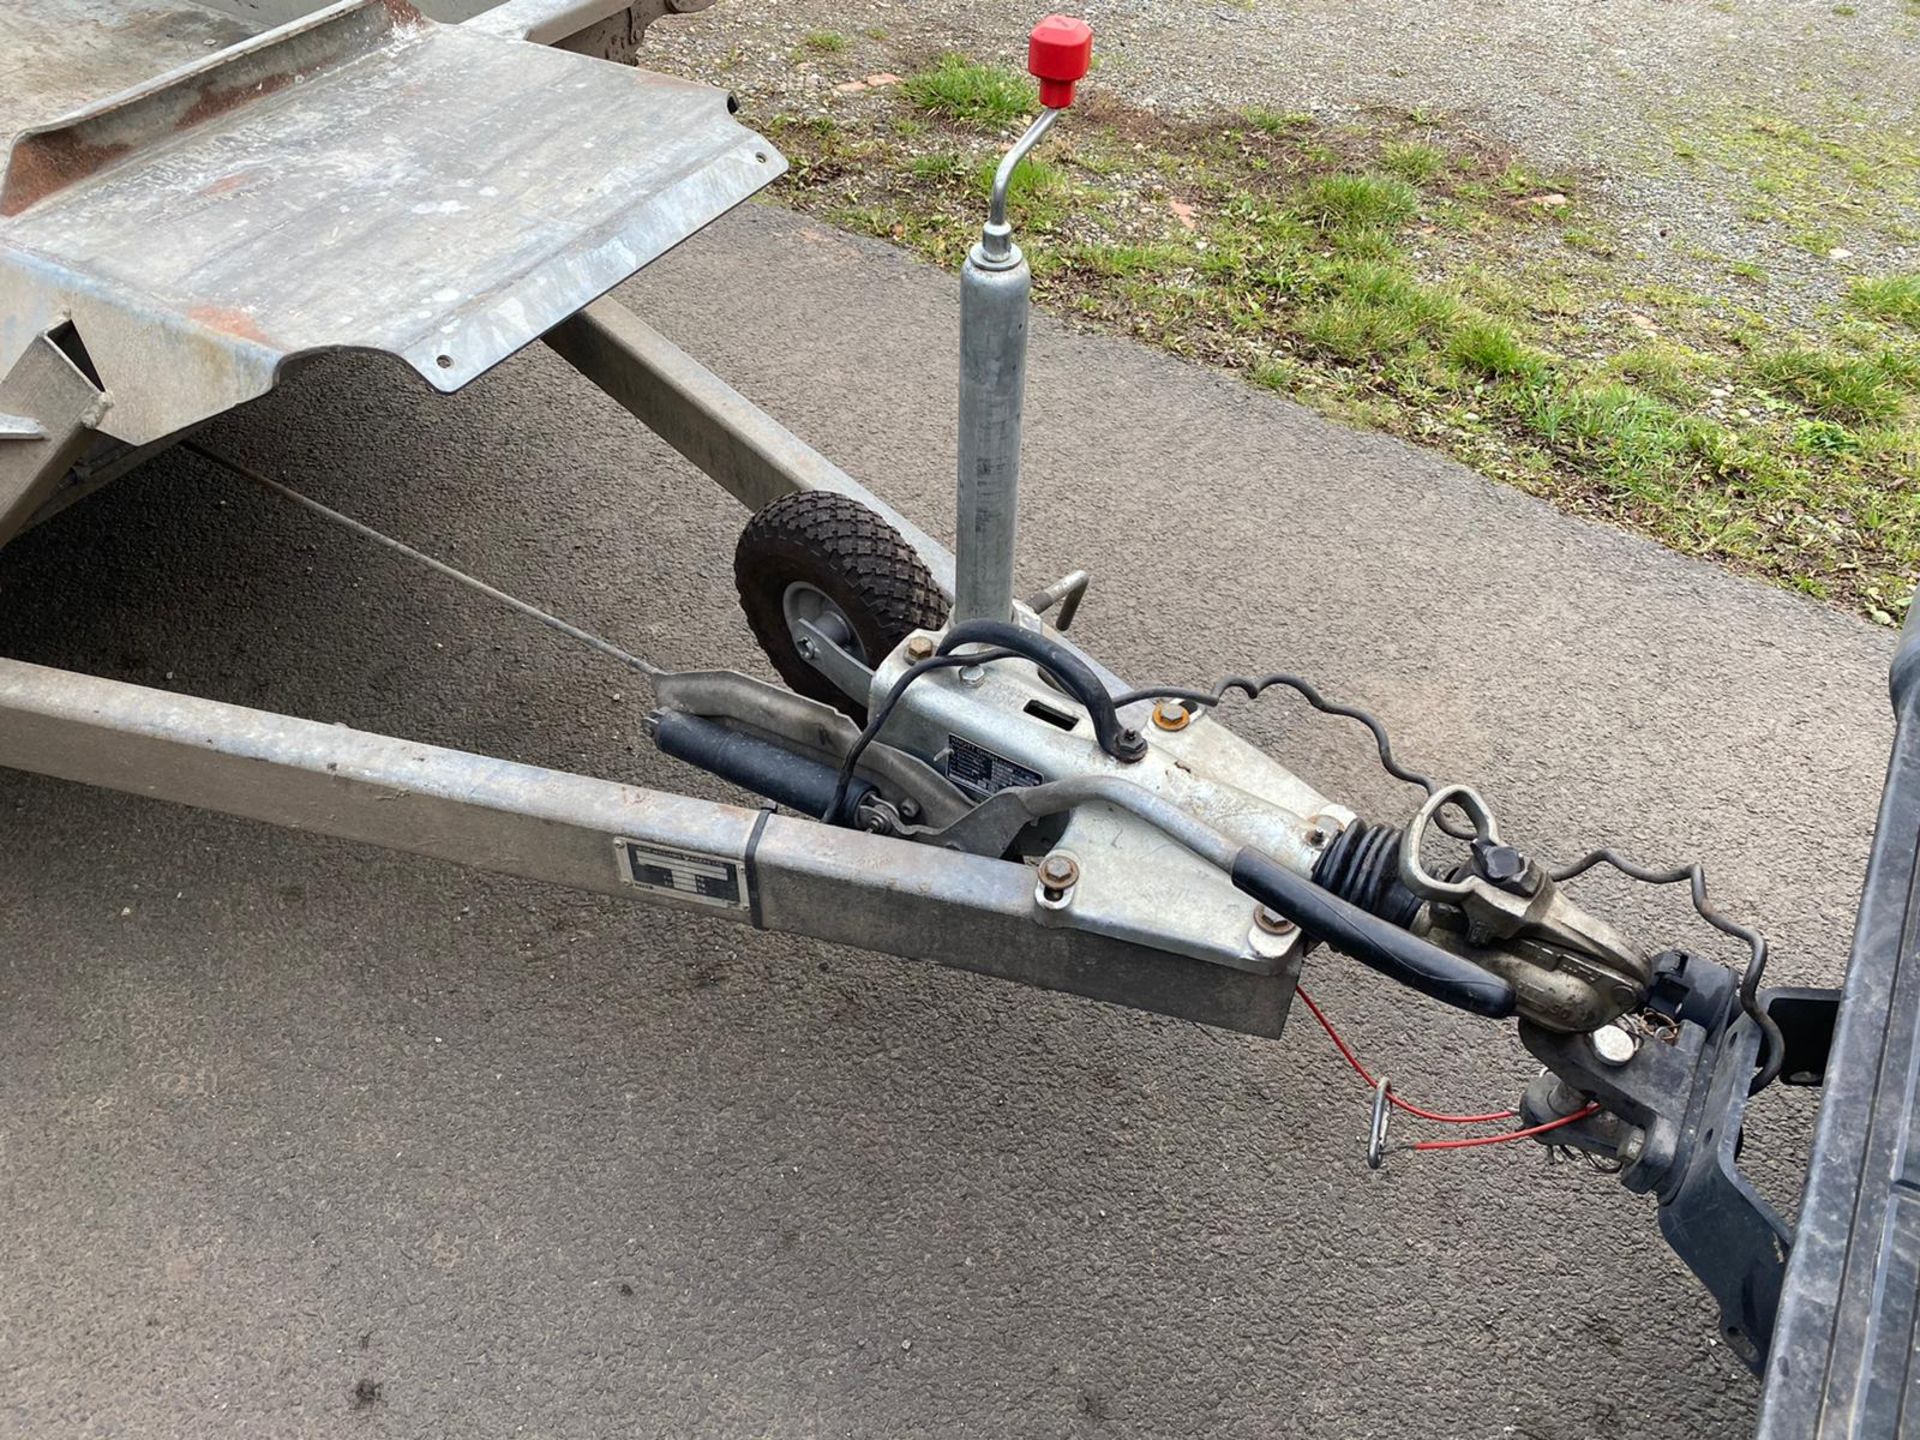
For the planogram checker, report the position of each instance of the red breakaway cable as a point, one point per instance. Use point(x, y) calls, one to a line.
point(1471, 1141)
point(1408, 1106)
point(1445, 1119)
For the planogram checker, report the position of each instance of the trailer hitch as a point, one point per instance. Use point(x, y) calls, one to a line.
point(1672, 1084)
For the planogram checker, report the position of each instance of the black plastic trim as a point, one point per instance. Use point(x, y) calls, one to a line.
point(1844, 1360)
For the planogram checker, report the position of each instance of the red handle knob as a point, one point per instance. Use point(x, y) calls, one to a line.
point(1059, 55)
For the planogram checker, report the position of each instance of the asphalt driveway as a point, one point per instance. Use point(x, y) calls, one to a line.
point(302, 1138)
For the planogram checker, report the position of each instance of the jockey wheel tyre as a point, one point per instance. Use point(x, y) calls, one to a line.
point(829, 559)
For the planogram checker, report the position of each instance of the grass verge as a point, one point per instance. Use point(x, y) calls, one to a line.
point(1433, 288)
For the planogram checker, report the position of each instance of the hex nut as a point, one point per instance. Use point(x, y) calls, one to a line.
point(919, 647)
point(1632, 1147)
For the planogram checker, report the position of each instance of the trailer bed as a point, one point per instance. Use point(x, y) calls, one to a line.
point(363, 177)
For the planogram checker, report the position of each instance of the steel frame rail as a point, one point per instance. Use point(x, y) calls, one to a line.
point(771, 871)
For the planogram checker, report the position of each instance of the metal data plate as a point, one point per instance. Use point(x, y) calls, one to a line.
point(361, 178)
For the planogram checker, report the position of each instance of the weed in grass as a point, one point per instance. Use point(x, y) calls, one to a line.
point(1375, 311)
point(1834, 386)
point(1352, 330)
point(1036, 196)
point(1485, 345)
point(1497, 292)
point(1115, 261)
point(1815, 241)
point(820, 127)
point(1579, 237)
point(1518, 181)
point(1895, 446)
point(986, 97)
point(1633, 435)
point(824, 42)
point(1412, 160)
point(1824, 437)
point(940, 165)
point(1895, 298)
point(1352, 204)
point(1276, 122)
point(1672, 372)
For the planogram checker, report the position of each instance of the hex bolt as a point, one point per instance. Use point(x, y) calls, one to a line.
point(1171, 715)
point(1505, 867)
point(805, 646)
point(919, 647)
point(1059, 872)
point(1505, 863)
point(1563, 1099)
point(1613, 1045)
point(1272, 921)
point(972, 674)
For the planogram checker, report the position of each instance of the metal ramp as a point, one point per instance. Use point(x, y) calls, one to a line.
point(360, 178)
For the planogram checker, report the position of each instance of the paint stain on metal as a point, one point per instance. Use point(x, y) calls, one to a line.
point(229, 321)
point(61, 155)
point(215, 100)
point(42, 164)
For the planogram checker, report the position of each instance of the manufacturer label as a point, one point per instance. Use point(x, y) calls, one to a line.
point(981, 773)
point(684, 874)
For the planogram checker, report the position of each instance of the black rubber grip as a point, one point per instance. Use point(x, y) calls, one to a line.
point(1074, 675)
point(784, 776)
point(1415, 963)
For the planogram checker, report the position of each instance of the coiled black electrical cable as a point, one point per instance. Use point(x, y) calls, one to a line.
point(1079, 681)
point(1694, 874)
point(1696, 877)
point(1253, 689)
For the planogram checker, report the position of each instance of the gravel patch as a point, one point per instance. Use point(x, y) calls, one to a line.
point(1652, 104)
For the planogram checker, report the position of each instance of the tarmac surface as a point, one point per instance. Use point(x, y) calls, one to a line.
point(302, 1138)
